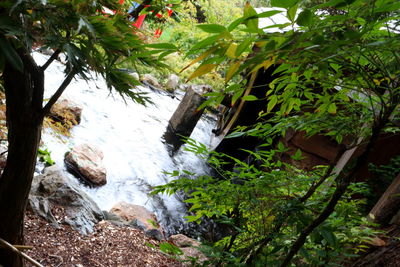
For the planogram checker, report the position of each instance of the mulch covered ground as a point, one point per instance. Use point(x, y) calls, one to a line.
point(109, 245)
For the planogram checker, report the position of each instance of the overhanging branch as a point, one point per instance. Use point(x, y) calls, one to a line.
point(58, 93)
point(50, 60)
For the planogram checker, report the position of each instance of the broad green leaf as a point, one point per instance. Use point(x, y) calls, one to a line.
point(235, 134)
point(251, 17)
point(235, 23)
point(291, 13)
point(249, 98)
point(231, 71)
point(212, 28)
point(281, 147)
point(231, 51)
point(272, 102)
point(243, 46)
point(329, 237)
point(297, 155)
point(236, 96)
point(284, 3)
point(332, 108)
point(202, 44)
point(304, 18)
point(10, 54)
point(201, 57)
point(203, 69)
point(268, 14)
point(165, 46)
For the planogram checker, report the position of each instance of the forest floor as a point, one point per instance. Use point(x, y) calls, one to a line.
point(108, 245)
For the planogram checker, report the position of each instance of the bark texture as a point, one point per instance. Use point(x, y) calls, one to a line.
point(24, 96)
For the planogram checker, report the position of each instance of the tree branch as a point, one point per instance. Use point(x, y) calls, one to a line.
point(58, 93)
point(50, 60)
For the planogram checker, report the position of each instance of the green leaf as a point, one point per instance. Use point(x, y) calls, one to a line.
point(272, 102)
point(268, 14)
point(281, 147)
point(212, 28)
point(237, 95)
point(231, 71)
point(235, 23)
point(291, 13)
point(332, 108)
point(304, 18)
point(297, 155)
point(284, 3)
point(243, 46)
point(235, 134)
point(210, 40)
point(10, 54)
point(203, 69)
point(251, 17)
point(329, 237)
point(249, 98)
point(165, 46)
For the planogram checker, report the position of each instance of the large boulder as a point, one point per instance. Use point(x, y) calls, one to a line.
point(52, 191)
point(130, 212)
point(85, 162)
point(139, 217)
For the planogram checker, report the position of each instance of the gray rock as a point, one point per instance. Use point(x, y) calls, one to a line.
point(172, 83)
point(52, 189)
point(150, 79)
point(155, 234)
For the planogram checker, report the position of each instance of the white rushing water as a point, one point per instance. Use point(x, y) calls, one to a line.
point(130, 136)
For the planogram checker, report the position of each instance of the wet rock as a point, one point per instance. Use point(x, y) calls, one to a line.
point(53, 189)
point(155, 234)
point(188, 246)
point(85, 162)
point(172, 83)
point(182, 241)
point(66, 112)
point(151, 80)
point(136, 215)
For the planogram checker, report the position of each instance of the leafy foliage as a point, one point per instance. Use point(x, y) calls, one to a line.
point(90, 40)
point(336, 74)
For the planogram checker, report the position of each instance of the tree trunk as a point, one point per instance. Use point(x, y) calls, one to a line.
point(24, 96)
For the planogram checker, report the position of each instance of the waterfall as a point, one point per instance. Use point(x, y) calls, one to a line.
point(130, 136)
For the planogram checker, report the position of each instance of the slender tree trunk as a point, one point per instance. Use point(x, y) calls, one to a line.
point(24, 96)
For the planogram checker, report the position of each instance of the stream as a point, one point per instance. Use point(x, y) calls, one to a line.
point(130, 136)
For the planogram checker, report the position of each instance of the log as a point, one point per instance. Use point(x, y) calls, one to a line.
point(184, 119)
point(388, 205)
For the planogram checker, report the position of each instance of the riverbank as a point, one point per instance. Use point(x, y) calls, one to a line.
point(108, 245)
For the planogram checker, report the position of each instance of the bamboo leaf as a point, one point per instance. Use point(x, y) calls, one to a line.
point(201, 57)
point(203, 69)
point(272, 102)
point(231, 71)
point(212, 28)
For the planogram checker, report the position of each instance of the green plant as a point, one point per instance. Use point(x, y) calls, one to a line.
point(336, 75)
point(45, 156)
point(263, 200)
